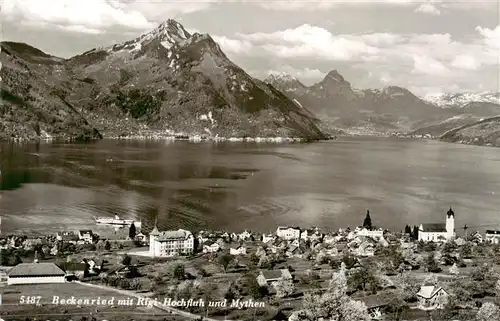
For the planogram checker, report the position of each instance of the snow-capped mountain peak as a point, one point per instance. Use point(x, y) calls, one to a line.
point(168, 33)
point(281, 77)
point(462, 99)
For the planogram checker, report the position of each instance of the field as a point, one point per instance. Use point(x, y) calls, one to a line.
point(11, 309)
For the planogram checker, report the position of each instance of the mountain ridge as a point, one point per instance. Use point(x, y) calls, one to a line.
point(166, 79)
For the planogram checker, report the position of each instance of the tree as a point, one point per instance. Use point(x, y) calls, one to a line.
point(254, 288)
point(465, 251)
point(284, 287)
point(488, 312)
point(230, 294)
point(133, 272)
point(431, 265)
point(224, 260)
point(107, 246)
point(363, 279)
point(415, 232)
point(126, 260)
point(334, 304)
point(407, 229)
point(408, 287)
point(179, 272)
point(131, 231)
point(367, 223)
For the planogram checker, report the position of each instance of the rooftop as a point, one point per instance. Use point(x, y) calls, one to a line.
point(36, 269)
point(173, 235)
point(434, 227)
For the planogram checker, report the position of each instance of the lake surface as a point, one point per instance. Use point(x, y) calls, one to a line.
point(237, 186)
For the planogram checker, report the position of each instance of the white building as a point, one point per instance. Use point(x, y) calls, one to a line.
point(170, 243)
point(36, 273)
point(288, 233)
point(431, 297)
point(438, 232)
point(86, 235)
point(376, 234)
point(240, 250)
point(492, 236)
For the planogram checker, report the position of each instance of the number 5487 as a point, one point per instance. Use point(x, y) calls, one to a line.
point(29, 299)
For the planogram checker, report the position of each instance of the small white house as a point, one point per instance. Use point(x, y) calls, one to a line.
point(492, 236)
point(36, 273)
point(240, 250)
point(376, 234)
point(211, 247)
point(431, 297)
point(268, 277)
point(85, 236)
point(288, 233)
point(267, 238)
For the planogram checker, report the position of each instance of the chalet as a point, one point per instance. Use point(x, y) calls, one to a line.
point(141, 238)
point(492, 236)
point(377, 304)
point(86, 235)
point(268, 238)
point(240, 250)
point(431, 297)
point(365, 249)
point(36, 273)
point(294, 251)
point(211, 247)
point(268, 277)
point(245, 235)
point(476, 237)
point(67, 237)
point(288, 233)
point(74, 270)
point(438, 232)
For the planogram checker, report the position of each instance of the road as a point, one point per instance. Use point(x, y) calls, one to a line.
point(157, 305)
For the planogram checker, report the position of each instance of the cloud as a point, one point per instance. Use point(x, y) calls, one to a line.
point(306, 74)
point(233, 46)
point(428, 8)
point(491, 37)
point(428, 66)
point(291, 5)
point(308, 42)
point(96, 16)
point(466, 62)
point(82, 16)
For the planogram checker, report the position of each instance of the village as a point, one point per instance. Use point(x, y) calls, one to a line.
point(427, 272)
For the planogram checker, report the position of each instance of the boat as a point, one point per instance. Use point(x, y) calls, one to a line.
point(116, 221)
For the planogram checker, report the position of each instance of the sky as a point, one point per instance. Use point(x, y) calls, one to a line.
point(426, 46)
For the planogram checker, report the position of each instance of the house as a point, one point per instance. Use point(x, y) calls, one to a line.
point(170, 243)
point(376, 234)
point(294, 251)
point(86, 235)
point(492, 236)
point(141, 238)
point(211, 247)
point(36, 273)
point(268, 277)
point(95, 266)
point(245, 235)
point(288, 233)
point(74, 270)
point(240, 250)
point(476, 237)
point(67, 237)
point(329, 239)
point(365, 249)
point(267, 238)
point(438, 232)
point(377, 304)
point(431, 297)
point(312, 234)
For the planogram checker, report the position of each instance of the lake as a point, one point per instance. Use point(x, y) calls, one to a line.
point(237, 186)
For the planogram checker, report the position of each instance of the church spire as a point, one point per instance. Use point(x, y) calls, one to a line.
point(155, 229)
point(450, 213)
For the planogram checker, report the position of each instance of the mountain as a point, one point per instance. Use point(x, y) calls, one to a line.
point(483, 132)
point(30, 106)
point(370, 111)
point(166, 79)
point(462, 99)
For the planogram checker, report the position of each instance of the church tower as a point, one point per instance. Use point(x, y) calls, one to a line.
point(450, 223)
point(152, 240)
